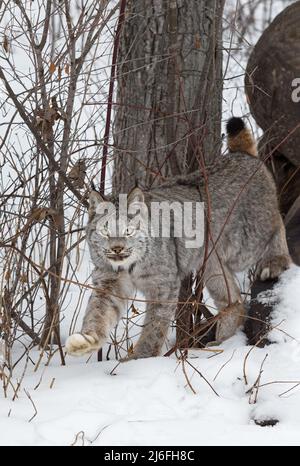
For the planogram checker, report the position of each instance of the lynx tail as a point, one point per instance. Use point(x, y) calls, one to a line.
point(240, 138)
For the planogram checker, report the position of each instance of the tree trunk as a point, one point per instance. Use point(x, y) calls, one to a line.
point(271, 83)
point(169, 89)
point(169, 95)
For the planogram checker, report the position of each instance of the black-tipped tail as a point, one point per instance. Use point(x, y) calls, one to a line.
point(239, 137)
point(234, 126)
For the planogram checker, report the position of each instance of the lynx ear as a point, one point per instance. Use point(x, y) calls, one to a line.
point(135, 195)
point(94, 200)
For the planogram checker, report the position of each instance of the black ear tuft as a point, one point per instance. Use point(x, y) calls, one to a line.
point(234, 126)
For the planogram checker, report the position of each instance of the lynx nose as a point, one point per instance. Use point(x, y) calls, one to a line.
point(117, 249)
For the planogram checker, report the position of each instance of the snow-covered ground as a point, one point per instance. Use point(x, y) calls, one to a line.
point(149, 402)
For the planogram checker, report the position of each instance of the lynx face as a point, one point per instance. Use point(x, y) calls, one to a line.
point(117, 241)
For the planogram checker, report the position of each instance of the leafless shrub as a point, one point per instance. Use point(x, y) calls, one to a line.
point(54, 60)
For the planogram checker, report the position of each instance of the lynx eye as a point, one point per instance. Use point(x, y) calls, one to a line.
point(104, 231)
point(130, 231)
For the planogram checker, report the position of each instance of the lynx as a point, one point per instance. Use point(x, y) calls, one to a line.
point(244, 230)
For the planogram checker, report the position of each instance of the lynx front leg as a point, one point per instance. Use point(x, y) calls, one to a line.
point(103, 312)
point(276, 258)
point(156, 325)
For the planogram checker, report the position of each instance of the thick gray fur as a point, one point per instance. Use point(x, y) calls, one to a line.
point(244, 212)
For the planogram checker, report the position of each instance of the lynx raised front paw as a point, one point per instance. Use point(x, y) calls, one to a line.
point(79, 344)
point(272, 268)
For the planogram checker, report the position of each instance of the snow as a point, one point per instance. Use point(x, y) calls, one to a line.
point(148, 402)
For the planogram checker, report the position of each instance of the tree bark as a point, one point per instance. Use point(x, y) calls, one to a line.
point(169, 95)
point(169, 89)
point(272, 69)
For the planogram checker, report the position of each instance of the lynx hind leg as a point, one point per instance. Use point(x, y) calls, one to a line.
point(80, 344)
point(276, 258)
point(273, 267)
point(225, 292)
